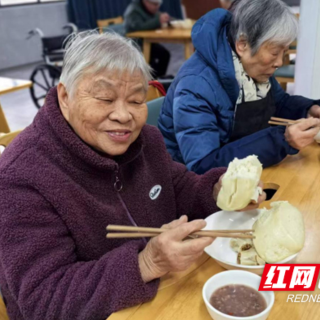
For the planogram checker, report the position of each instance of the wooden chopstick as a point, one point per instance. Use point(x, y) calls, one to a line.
point(112, 227)
point(138, 232)
point(235, 234)
point(151, 235)
point(281, 121)
point(131, 235)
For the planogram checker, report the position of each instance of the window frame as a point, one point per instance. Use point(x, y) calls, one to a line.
point(29, 4)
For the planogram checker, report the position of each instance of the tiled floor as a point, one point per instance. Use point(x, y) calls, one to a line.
point(20, 110)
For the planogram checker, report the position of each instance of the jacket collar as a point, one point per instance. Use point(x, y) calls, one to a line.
point(210, 38)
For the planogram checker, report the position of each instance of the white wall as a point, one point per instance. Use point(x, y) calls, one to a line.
point(15, 22)
point(307, 74)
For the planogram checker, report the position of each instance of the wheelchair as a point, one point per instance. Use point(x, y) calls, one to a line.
point(47, 75)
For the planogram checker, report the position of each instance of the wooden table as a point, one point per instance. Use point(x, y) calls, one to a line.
point(164, 36)
point(180, 298)
point(8, 85)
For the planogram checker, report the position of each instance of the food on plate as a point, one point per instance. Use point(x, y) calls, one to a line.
point(238, 301)
point(279, 232)
point(250, 257)
point(240, 184)
point(246, 254)
point(241, 244)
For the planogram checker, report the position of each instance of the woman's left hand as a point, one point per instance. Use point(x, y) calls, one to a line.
point(251, 206)
point(255, 205)
point(314, 111)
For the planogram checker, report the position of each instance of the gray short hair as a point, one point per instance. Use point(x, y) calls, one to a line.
point(259, 21)
point(90, 51)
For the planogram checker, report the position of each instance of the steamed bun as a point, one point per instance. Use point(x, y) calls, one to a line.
point(239, 184)
point(279, 232)
point(182, 24)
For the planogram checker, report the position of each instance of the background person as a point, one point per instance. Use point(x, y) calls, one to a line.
point(219, 104)
point(145, 15)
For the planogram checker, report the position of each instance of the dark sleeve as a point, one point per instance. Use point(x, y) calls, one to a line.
point(290, 107)
point(196, 125)
point(197, 132)
point(269, 145)
point(135, 22)
point(39, 261)
point(194, 193)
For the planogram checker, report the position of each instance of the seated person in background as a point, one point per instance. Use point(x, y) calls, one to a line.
point(87, 161)
point(145, 15)
point(226, 4)
point(220, 102)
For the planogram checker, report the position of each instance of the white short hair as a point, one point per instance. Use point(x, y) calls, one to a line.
point(259, 21)
point(91, 52)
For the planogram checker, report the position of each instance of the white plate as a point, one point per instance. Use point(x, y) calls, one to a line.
point(220, 249)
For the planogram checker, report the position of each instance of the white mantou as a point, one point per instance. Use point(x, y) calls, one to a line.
point(279, 232)
point(240, 184)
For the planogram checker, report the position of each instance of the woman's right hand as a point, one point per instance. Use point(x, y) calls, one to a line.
point(302, 134)
point(164, 18)
point(169, 253)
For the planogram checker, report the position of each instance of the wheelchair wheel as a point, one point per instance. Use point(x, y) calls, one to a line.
point(44, 77)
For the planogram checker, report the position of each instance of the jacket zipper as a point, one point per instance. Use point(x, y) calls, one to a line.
point(118, 186)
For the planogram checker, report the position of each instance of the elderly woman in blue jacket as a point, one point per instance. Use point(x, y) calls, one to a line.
point(219, 105)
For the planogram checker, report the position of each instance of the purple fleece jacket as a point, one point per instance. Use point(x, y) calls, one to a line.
point(57, 196)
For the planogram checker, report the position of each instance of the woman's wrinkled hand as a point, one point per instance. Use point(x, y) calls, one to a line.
point(251, 206)
point(164, 18)
point(217, 188)
point(302, 134)
point(255, 205)
point(168, 252)
point(314, 111)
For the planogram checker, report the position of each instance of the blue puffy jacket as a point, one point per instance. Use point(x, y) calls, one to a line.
point(196, 119)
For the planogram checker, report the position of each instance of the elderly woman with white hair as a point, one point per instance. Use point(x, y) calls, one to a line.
point(221, 101)
point(88, 160)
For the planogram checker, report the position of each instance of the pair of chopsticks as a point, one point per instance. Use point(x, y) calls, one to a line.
point(141, 232)
point(282, 122)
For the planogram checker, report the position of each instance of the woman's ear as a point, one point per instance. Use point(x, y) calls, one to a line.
point(241, 47)
point(63, 98)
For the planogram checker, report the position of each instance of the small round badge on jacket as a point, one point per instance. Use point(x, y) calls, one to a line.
point(155, 192)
